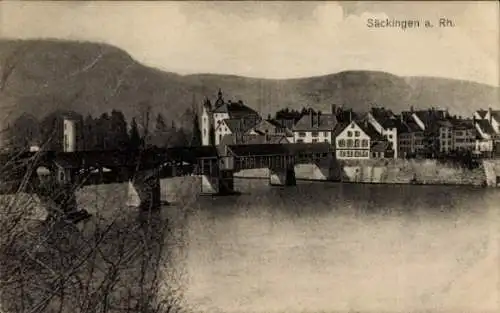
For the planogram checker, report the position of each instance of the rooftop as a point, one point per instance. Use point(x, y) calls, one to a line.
point(316, 122)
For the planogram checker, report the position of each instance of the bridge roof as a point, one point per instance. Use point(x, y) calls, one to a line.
point(191, 154)
point(279, 149)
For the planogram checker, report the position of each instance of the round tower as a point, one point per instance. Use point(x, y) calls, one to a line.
point(69, 131)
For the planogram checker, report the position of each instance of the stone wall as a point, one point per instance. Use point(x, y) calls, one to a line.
point(411, 172)
point(424, 171)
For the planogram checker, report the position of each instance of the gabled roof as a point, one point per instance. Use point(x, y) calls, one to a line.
point(369, 130)
point(496, 115)
point(340, 128)
point(316, 122)
point(381, 146)
point(463, 124)
point(240, 125)
point(234, 109)
point(445, 123)
point(381, 114)
point(481, 113)
point(485, 127)
point(413, 126)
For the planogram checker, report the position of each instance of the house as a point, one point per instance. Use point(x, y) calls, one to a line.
point(493, 117)
point(445, 137)
point(387, 124)
point(351, 142)
point(486, 136)
point(464, 134)
point(380, 147)
point(213, 125)
point(410, 136)
point(233, 126)
point(314, 128)
point(271, 127)
point(427, 121)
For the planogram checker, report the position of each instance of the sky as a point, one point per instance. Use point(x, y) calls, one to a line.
point(275, 39)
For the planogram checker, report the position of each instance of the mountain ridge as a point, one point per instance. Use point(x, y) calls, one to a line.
point(93, 78)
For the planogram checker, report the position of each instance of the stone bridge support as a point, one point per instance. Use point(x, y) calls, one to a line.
point(219, 183)
point(56, 193)
point(282, 176)
point(144, 190)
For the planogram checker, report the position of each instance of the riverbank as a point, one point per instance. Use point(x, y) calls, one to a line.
point(425, 172)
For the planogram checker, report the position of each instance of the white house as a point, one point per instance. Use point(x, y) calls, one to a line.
point(352, 142)
point(315, 128)
point(387, 125)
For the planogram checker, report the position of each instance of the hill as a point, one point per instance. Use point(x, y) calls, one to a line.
point(40, 76)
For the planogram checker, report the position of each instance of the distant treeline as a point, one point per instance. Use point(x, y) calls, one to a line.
point(109, 131)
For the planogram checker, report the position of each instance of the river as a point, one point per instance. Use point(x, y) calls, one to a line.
point(342, 247)
point(328, 247)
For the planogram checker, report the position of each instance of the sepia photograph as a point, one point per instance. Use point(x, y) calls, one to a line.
point(249, 156)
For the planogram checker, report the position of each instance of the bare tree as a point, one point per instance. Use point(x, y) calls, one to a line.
point(116, 261)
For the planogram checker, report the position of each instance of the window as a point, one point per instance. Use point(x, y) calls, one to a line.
point(389, 136)
point(356, 143)
point(349, 143)
point(325, 134)
point(349, 134)
point(326, 140)
point(300, 140)
point(302, 134)
point(356, 134)
point(315, 140)
point(220, 138)
point(314, 134)
point(364, 143)
point(341, 143)
point(204, 131)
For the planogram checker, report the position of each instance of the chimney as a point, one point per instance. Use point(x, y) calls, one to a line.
point(489, 113)
point(311, 116)
point(411, 109)
point(319, 115)
point(333, 109)
point(350, 115)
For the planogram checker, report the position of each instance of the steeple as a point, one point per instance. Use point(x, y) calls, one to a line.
point(220, 99)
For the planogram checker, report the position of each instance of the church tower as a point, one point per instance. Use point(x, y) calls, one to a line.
point(206, 123)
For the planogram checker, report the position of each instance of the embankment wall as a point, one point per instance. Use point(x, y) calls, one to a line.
point(399, 171)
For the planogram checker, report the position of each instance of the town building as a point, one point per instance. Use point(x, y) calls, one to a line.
point(225, 118)
point(410, 136)
point(487, 125)
point(315, 128)
point(387, 124)
point(351, 142)
point(427, 121)
point(445, 137)
point(464, 135)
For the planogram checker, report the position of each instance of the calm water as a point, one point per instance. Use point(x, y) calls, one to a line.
point(332, 247)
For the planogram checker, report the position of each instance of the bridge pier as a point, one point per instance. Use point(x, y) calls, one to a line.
point(221, 183)
point(144, 190)
point(57, 196)
point(282, 176)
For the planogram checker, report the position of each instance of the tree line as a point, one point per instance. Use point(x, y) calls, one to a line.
point(109, 131)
